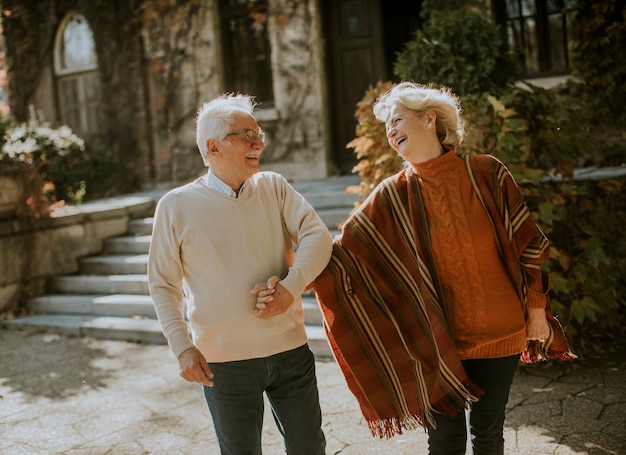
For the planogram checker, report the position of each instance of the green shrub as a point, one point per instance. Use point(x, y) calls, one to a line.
point(600, 61)
point(463, 50)
point(585, 222)
point(533, 130)
point(72, 170)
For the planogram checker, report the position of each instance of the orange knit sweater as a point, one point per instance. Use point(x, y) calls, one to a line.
point(483, 309)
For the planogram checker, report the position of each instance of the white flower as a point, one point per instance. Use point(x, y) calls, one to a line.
point(21, 147)
point(23, 140)
point(16, 133)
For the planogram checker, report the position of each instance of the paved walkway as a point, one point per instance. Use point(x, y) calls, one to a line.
point(63, 395)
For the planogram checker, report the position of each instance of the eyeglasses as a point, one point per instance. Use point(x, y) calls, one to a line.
point(251, 135)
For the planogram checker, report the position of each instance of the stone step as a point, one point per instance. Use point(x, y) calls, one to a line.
point(141, 226)
point(336, 184)
point(331, 199)
point(115, 264)
point(101, 284)
point(334, 217)
point(318, 342)
point(127, 305)
point(118, 305)
point(130, 244)
point(136, 329)
point(312, 313)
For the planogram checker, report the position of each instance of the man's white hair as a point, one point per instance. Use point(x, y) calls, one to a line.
point(215, 117)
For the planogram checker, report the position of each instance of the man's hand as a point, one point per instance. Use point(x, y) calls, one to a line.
point(272, 298)
point(537, 325)
point(193, 367)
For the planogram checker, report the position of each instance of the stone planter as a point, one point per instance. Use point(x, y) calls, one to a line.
point(12, 194)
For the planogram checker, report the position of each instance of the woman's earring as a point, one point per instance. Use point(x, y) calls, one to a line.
point(429, 124)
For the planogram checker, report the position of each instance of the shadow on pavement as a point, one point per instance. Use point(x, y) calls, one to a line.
point(59, 366)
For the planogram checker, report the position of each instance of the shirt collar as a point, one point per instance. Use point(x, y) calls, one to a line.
point(216, 183)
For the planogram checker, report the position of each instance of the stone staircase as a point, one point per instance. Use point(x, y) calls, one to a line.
point(109, 297)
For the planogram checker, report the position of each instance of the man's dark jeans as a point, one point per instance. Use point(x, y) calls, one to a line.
point(237, 406)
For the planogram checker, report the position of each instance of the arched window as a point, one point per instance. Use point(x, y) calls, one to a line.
point(75, 67)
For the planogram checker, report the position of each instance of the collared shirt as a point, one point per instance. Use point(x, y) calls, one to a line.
point(216, 183)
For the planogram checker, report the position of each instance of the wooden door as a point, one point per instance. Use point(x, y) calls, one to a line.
point(356, 61)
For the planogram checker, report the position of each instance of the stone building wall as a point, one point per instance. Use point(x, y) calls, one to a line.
point(300, 133)
point(184, 55)
point(159, 65)
point(183, 71)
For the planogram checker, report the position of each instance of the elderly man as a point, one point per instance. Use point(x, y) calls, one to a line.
point(217, 242)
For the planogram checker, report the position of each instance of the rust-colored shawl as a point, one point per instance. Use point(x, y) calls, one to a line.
point(383, 316)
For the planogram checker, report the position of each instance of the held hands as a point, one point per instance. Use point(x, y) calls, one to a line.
point(272, 298)
point(537, 326)
point(193, 367)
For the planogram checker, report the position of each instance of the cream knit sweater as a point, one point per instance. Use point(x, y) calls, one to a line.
point(208, 250)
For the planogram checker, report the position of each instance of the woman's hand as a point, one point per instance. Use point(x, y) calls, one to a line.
point(272, 298)
point(537, 325)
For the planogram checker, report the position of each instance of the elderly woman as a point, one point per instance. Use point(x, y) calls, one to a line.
point(434, 288)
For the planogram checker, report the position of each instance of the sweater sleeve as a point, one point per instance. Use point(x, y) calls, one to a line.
point(309, 233)
point(165, 279)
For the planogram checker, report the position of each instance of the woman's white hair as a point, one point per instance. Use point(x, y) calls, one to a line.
point(215, 117)
point(421, 98)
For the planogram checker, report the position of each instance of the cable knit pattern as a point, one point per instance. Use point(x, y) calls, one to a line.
point(467, 259)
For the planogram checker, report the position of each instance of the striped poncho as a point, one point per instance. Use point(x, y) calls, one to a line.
point(383, 313)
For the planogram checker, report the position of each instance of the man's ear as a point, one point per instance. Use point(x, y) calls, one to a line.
point(211, 146)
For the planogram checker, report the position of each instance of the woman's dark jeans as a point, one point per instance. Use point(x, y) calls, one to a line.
point(486, 417)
